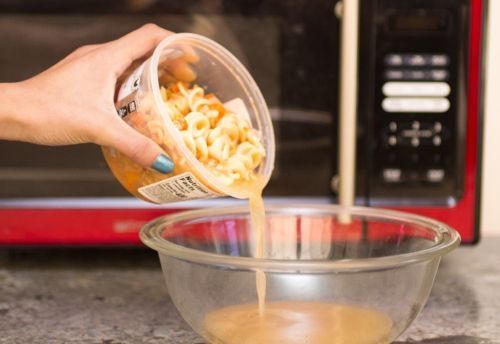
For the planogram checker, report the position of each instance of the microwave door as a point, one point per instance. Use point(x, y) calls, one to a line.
point(290, 48)
point(304, 144)
point(30, 171)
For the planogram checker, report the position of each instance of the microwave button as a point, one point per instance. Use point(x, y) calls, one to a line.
point(415, 89)
point(416, 104)
point(439, 74)
point(394, 60)
point(439, 60)
point(417, 75)
point(414, 60)
point(392, 140)
point(393, 74)
point(436, 141)
point(416, 133)
point(334, 183)
point(392, 175)
point(435, 175)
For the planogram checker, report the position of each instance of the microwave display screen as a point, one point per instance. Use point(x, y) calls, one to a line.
point(419, 21)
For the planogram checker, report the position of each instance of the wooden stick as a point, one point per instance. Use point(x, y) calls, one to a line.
point(348, 105)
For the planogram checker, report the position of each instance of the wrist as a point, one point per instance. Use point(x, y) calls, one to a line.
point(13, 121)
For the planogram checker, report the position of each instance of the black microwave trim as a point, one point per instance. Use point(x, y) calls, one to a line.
point(240, 7)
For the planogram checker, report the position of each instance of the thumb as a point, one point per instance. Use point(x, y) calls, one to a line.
point(140, 148)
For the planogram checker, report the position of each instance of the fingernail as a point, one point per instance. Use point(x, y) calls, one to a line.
point(163, 164)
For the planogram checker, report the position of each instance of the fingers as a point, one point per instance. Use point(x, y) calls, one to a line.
point(136, 44)
point(139, 148)
point(189, 54)
point(181, 70)
point(140, 42)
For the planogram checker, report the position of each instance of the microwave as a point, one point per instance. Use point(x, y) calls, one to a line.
point(418, 109)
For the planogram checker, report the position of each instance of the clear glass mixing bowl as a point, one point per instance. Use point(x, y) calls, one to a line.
point(381, 260)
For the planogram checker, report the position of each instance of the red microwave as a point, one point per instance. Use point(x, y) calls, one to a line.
point(419, 113)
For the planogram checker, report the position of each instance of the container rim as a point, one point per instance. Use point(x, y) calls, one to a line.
point(248, 84)
point(447, 240)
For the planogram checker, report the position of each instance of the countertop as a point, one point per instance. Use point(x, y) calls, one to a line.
point(118, 296)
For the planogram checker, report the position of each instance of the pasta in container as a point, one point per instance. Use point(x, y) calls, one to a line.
point(198, 102)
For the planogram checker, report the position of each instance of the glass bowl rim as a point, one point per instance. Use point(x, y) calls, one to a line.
point(448, 240)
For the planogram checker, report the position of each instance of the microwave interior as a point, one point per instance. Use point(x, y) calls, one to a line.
point(292, 51)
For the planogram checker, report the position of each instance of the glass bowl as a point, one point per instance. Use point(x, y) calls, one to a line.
point(329, 280)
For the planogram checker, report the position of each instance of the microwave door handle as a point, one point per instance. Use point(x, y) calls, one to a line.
point(348, 105)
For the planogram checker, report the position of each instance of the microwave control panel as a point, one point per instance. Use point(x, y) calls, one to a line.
point(419, 94)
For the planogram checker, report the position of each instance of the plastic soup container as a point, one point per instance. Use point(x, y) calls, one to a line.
point(192, 60)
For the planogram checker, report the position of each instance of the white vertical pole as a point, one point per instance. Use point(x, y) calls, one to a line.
point(348, 104)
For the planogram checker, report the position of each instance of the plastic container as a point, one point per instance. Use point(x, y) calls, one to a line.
point(139, 102)
point(383, 262)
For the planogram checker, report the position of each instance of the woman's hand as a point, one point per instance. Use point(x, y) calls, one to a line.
point(72, 102)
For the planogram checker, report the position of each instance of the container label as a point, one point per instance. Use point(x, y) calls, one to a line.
point(132, 83)
point(126, 107)
point(182, 187)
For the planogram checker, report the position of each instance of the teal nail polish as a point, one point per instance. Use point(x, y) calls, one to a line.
point(163, 164)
